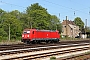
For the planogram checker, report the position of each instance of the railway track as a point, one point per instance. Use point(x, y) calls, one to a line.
point(43, 51)
point(21, 46)
point(6, 52)
point(46, 53)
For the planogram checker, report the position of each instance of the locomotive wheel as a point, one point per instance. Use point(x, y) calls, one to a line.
point(47, 41)
point(27, 42)
point(38, 42)
point(33, 42)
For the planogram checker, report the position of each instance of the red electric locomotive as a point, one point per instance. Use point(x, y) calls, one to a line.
point(37, 36)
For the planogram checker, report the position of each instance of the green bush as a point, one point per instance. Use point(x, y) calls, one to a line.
point(0, 37)
point(4, 38)
point(52, 58)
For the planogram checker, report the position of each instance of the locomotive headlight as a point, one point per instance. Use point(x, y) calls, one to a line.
point(22, 35)
point(27, 35)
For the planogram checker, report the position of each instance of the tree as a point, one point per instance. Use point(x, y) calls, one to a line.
point(55, 23)
point(16, 13)
point(79, 22)
point(2, 12)
point(38, 16)
point(87, 29)
point(3, 34)
point(10, 19)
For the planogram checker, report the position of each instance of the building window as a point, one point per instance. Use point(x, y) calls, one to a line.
point(65, 26)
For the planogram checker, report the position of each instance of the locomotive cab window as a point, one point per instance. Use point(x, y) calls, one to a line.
point(26, 32)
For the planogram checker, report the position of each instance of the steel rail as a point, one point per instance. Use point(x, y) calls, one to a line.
point(47, 53)
point(6, 52)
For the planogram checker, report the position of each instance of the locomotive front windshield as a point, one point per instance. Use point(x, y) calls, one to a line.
point(26, 32)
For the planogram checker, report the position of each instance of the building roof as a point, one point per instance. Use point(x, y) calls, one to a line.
point(68, 22)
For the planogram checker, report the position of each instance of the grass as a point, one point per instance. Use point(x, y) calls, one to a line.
point(10, 41)
point(52, 58)
point(73, 39)
point(87, 52)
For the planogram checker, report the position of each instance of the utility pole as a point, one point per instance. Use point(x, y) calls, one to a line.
point(9, 31)
point(66, 27)
point(31, 25)
point(85, 27)
point(31, 22)
point(56, 26)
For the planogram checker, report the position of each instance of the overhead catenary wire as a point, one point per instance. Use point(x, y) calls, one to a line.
point(48, 2)
point(12, 4)
point(65, 7)
point(72, 9)
point(68, 8)
point(80, 4)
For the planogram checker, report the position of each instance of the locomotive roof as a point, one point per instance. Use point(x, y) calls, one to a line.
point(47, 30)
point(41, 30)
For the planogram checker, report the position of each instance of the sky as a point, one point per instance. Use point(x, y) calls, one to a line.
point(60, 8)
